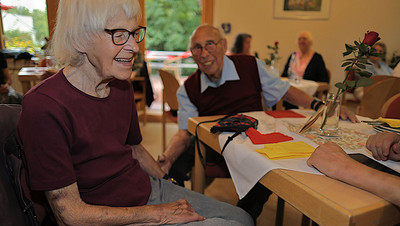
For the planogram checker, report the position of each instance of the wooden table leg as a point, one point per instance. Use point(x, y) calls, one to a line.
point(26, 86)
point(280, 210)
point(198, 172)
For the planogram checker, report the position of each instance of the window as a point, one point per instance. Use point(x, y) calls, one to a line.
point(24, 25)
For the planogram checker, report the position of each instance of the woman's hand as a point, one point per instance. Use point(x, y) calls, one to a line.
point(347, 114)
point(164, 163)
point(331, 160)
point(178, 212)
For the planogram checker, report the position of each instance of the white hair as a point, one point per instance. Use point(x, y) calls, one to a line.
point(306, 34)
point(205, 26)
point(78, 21)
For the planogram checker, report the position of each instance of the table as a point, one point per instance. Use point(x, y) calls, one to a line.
point(30, 76)
point(324, 200)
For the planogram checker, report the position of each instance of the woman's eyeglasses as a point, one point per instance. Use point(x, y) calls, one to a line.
point(121, 36)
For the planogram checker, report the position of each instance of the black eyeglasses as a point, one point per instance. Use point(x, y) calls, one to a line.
point(121, 36)
point(210, 46)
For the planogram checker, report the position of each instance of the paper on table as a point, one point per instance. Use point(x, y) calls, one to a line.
point(395, 123)
point(269, 138)
point(284, 114)
point(286, 150)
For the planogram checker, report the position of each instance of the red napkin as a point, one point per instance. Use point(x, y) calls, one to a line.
point(284, 114)
point(269, 138)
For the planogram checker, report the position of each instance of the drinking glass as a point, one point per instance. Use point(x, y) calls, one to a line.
point(330, 116)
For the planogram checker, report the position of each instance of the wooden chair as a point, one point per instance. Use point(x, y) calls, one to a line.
point(140, 99)
point(391, 108)
point(376, 79)
point(376, 95)
point(171, 86)
point(348, 96)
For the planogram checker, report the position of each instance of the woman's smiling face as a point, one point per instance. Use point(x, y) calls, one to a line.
point(110, 60)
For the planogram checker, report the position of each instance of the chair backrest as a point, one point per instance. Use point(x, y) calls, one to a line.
point(391, 108)
point(377, 94)
point(376, 79)
point(18, 205)
point(171, 86)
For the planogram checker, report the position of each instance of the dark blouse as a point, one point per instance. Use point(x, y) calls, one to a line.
point(315, 71)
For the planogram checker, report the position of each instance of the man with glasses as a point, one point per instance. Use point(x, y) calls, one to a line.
point(225, 85)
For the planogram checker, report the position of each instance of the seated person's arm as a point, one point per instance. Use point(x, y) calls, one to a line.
point(300, 98)
point(297, 97)
point(181, 140)
point(69, 209)
point(146, 161)
point(385, 146)
point(331, 160)
point(178, 144)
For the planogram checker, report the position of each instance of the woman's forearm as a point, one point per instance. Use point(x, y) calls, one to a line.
point(146, 161)
point(381, 184)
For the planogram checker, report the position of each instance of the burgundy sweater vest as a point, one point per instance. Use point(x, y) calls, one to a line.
point(233, 96)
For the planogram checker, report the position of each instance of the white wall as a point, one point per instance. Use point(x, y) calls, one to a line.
point(348, 21)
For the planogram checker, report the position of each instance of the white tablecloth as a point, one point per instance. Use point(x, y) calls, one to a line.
point(308, 86)
point(246, 166)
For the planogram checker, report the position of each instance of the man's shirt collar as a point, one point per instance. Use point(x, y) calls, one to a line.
point(229, 73)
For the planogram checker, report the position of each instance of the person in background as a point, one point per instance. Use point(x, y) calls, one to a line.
point(309, 64)
point(242, 44)
point(377, 63)
point(7, 94)
point(225, 85)
point(80, 134)
point(331, 160)
point(377, 66)
point(305, 63)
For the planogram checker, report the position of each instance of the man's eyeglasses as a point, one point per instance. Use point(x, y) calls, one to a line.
point(121, 36)
point(210, 46)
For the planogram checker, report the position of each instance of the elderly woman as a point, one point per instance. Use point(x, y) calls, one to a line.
point(306, 62)
point(80, 133)
point(377, 64)
point(241, 44)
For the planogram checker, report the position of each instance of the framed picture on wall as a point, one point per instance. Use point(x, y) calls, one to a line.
point(302, 9)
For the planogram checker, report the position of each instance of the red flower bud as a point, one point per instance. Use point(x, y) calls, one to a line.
point(276, 43)
point(371, 37)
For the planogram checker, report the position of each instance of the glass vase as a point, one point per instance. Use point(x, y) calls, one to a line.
point(330, 116)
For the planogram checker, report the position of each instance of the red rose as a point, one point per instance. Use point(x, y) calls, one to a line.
point(276, 43)
point(371, 37)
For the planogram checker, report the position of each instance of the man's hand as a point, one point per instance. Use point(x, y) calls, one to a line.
point(384, 146)
point(4, 88)
point(178, 212)
point(164, 163)
point(347, 114)
point(331, 160)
